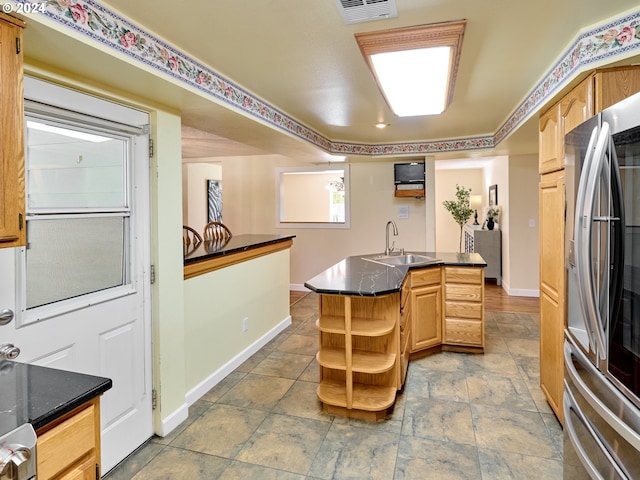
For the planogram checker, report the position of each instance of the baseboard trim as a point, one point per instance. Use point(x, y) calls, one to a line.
point(171, 422)
point(216, 377)
point(298, 287)
point(521, 292)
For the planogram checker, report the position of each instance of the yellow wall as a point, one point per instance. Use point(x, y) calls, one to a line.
point(523, 252)
point(216, 304)
point(250, 207)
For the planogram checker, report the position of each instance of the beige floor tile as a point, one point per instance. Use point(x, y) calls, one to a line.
point(222, 430)
point(514, 431)
point(135, 462)
point(301, 344)
point(285, 443)
point(350, 452)
point(195, 411)
point(439, 420)
point(302, 401)
point(421, 458)
point(257, 391)
point(491, 389)
point(524, 347)
point(247, 471)
point(223, 387)
point(174, 463)
point(282, 364)
point(447, 361)
point(500, 363)
point(498, 465)
point(311, 373)
point(438, 384)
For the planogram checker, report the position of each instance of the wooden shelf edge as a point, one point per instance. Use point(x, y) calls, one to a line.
point(370, 398)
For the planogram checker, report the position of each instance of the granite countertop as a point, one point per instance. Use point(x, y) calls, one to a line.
point(356, 276)
point(39, 395)
point(235, 244)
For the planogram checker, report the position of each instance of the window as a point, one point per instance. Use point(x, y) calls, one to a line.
point(313, 197)
point(78, 216)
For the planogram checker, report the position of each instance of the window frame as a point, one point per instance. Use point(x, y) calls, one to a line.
point(279, 191)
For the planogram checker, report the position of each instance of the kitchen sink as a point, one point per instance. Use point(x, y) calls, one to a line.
point(406, 259)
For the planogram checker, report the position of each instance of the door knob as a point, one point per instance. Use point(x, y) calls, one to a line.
point(6, 316)
point(8, 351)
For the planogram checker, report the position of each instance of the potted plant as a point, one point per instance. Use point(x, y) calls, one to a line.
point(492, 213)
point(460, 209)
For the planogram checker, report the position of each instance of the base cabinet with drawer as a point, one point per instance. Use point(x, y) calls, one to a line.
point(463, 307)
point(69, 448)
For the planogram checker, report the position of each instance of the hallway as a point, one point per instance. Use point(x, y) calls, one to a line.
point(460, 416)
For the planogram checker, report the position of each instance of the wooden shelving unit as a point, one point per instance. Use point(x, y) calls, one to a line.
point(358, 354)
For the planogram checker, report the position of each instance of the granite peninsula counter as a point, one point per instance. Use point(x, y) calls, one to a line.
point(208, 255)
point(373, 318)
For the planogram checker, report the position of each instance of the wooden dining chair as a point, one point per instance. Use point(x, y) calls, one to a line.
point(216, 231)
point(190, 237)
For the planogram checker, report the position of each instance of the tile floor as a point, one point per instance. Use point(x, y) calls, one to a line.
point(460, 416)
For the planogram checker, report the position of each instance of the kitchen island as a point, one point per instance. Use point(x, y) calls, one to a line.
point(374, 317)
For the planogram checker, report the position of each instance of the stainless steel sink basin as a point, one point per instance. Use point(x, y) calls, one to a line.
point(401, 260)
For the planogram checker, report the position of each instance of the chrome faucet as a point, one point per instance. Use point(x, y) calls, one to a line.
point(387, 250)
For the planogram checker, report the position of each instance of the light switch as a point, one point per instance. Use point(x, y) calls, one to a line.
point(532, 223)
point(403, 211)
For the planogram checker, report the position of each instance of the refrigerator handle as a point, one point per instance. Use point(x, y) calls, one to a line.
point(568, 402)
point(617, 246)
point(578, 223)
point(609, 417)
point(586, 286)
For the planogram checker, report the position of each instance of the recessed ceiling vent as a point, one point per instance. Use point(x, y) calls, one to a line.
point(356, 11)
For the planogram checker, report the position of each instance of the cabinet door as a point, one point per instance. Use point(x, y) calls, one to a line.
point(550, 156)
point(12, 202)
point(552, 288)
point(575, 108)
point(615, 84)
point(426, 314)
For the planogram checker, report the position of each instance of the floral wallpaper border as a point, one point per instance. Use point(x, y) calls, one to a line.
point(618, 38)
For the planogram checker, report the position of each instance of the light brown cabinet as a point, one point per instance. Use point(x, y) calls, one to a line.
point(12, 200)
point(69, 449)
point(426, 308)
point(599, 90)
point(464, 307)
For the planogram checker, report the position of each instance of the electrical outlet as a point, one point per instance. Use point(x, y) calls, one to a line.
point(245, 324)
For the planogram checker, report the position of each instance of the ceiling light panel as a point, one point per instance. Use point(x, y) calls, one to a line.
point(420, 63)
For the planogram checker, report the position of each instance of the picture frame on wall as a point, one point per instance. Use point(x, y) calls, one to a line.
point(214, 201)
point(493, 195)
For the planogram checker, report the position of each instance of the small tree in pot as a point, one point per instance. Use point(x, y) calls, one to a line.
point(460, 209)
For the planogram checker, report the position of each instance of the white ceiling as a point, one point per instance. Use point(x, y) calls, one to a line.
point(300, 57)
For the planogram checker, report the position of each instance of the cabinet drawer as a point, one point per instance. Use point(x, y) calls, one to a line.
point(63, 445)
point(469, 293)
point(463, 310)
point(463, 332)
point(427, 276)
point(463, 275)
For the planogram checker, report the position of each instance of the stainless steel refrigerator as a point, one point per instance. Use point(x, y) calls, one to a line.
point(602, 334)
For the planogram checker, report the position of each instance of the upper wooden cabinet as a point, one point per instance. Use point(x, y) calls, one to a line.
point(12, 200)
point(601, 89)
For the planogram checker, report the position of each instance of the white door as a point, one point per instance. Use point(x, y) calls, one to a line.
point(81, 287)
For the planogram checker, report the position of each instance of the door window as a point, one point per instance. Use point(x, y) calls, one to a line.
point(78, 217)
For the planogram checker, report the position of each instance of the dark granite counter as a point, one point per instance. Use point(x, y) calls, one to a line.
point(356, 276)
point(236, 244)
point(39, 395)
